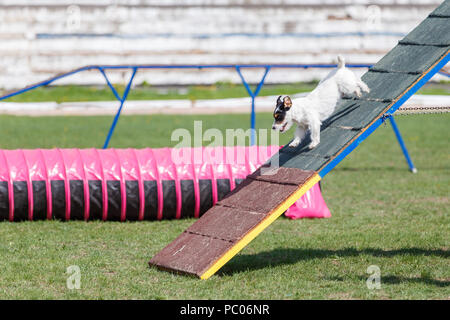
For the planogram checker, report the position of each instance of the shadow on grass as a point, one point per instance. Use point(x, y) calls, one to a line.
point(401, 280)
point(281, 256)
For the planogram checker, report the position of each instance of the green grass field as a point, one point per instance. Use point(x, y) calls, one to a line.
point(381, 215)
point(147, 92)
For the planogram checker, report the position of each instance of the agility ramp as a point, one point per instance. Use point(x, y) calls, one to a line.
point(233, 222)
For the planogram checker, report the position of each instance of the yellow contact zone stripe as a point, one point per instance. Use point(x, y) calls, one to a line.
point(260, 227)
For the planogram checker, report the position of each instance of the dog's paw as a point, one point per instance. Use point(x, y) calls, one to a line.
point(294, 143)
point(312, 145)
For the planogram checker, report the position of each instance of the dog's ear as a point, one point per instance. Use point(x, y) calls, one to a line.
point(279, 100)
point(287, 102)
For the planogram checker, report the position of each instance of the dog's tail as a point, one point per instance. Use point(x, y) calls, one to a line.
point(341, 61)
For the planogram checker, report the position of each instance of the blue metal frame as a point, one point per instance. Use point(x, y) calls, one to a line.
point(122, 101)
point(237, 67)
point(135, 68)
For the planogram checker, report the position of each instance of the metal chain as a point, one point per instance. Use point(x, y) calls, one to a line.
point(421, 110)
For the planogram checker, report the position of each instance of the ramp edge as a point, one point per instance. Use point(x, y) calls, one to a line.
point(261, 226)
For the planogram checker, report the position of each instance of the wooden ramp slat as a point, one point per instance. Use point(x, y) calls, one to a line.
point(235, 220)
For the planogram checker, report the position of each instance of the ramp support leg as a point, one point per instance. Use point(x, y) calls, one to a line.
point(253, 95)
point(412, 168)
point(121, 100)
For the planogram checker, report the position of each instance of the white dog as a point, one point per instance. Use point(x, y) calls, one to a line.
point(309, 112)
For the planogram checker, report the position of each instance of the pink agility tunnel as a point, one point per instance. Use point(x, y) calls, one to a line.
point(121, 184)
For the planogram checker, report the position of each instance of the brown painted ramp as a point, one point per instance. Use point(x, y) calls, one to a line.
point(235, 220)
point(225, 229)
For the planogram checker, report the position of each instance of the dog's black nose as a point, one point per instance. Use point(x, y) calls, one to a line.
point(273, 127)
